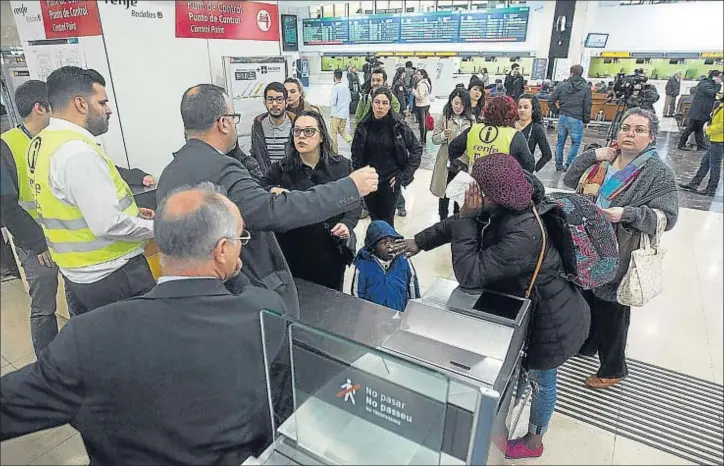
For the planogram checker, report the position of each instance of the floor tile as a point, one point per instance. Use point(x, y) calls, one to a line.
point(6, 369)
point(3, 362)
point(23, 450)
point(70, 452)
point(630, 452)
point(15, 342)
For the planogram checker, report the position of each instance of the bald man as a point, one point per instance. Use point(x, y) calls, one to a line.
point(171, 377)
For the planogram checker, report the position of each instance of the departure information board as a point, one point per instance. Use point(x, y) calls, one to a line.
point(490, 25)
point(437, 27)
point(377, 29)
point(499, 25)
point(325, 31)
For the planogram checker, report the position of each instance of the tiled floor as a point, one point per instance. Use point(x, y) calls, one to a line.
point(680, 330)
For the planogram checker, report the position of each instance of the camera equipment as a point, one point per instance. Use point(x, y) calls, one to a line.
point(625, 93)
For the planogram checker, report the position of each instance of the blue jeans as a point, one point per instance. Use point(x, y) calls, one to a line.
point(573, 126)
point(711, 162)
point(410, 101)
point(543, 401)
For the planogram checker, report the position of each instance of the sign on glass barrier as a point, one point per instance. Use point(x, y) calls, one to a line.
point(357, 405)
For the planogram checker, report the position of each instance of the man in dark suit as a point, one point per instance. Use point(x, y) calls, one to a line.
point(210, 125)
point(175, 376)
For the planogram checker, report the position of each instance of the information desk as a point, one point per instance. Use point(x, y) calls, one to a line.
point(431, 385)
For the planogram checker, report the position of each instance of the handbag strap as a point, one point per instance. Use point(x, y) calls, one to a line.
point(540, 256)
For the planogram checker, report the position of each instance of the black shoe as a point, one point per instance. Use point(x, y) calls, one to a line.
point(565, 168)
point(402, 212)
point(700, 148)
point(687, 187)
point(684, 148)
point(559, 168)
point(706, 193)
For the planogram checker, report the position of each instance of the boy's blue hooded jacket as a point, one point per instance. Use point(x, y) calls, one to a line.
point(391, 288)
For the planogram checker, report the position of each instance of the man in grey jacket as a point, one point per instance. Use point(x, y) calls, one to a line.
point(673, 87)
point(572, 101)
point(210, 123)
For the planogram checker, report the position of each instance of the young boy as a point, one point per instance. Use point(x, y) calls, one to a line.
point(380, 276)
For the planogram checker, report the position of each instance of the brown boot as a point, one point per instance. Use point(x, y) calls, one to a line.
point(599, 383)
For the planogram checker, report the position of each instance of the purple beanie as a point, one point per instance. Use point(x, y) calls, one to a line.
point(502, 180)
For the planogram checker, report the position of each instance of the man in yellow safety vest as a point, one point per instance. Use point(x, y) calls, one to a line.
point(19, 214)
point(94, 230)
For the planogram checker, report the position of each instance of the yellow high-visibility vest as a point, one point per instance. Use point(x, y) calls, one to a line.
point(71, 242)
point(18, 142)
point(485, 140)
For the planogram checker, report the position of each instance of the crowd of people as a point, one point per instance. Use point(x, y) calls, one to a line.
point(236, 230)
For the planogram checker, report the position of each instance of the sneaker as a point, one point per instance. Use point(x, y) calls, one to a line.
point(687, 187)
point(559, 168)
point(565, 168)
point(517, 449)
point(402, 212)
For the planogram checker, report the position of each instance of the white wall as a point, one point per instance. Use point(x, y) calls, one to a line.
point(671, 27)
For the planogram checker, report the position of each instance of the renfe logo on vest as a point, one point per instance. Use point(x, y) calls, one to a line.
point(487, 135)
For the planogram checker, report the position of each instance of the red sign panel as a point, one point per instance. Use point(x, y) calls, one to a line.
point(227, 20)
point(70, 18)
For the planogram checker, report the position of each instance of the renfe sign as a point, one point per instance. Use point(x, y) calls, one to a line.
point(227, 20)
point(70, 18)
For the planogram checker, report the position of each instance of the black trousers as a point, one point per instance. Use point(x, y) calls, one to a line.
point(608, 335)
point(382, 204)
point(133, 279)
point(421, 113)
point(696, 127)
point(444, 203)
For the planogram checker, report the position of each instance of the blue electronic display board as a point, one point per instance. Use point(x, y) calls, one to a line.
point(491, 25)
point(325, 31)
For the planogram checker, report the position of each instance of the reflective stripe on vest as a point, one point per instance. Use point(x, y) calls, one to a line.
point(18, 142)
point(485, 140)
point(71, 242)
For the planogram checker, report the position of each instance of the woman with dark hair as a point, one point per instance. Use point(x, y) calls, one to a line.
point(422, 101)
point(398, 88)
point(456, 117)
point(496, 134)
point(384, 141)
point(295, 98)
point(485, 78)
point(530, 123)
point(318, 253)
point(477, 98)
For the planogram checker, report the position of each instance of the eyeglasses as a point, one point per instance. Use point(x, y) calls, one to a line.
point(639, 130)
point(244, 238)
point(278, 100)
point(235, 116)
point(307, 132)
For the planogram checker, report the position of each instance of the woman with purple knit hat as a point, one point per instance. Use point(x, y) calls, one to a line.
point(497, 243)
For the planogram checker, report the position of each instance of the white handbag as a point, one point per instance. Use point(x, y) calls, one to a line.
point(644, 279)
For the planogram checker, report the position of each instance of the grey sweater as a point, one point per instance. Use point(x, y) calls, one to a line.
point(654, 177)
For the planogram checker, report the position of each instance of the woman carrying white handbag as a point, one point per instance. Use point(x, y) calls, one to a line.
point(630, 183)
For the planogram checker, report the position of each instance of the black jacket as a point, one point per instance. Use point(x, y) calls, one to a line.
point(673, 86)
point(246, 160)
point(408, 150)
point(704, 98)
point(171, 377)
point(258, 142)
point(514, 85)
point(312, 253)
point(535, 133)
point(499, 252)
point(573, 98)
point(263, 213)
point(518, 149)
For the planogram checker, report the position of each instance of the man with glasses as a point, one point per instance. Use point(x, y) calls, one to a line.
point(189, 386)
point(208, 116)
point(270, 131)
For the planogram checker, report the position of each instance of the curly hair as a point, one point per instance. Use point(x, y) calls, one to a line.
point(500, 111)
point(537, 113)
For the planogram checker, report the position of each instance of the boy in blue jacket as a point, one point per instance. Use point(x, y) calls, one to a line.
point(380, 276)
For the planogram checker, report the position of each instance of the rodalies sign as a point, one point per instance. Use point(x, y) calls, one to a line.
point(227, 20)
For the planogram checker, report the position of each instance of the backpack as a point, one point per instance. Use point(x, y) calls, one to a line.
point(584, 238)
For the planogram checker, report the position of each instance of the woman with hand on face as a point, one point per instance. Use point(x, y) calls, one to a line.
point(530, 123)
point(456, 118)
point(384, 141)
point(627, 181)
point(317, 253)
point(295, 98)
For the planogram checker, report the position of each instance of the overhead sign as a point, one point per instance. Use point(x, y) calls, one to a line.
point(539, 69)
point(615, 54)
point(491, 25)
point(227, 20)
point(290, 37)
point(64, 19)
point(712, 55)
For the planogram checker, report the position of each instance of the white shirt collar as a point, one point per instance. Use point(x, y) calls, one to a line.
point(60, 124)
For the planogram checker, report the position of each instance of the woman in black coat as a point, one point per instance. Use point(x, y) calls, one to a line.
point(496, 244)
point(384, 141)
point(317, 253)
point(700, 110)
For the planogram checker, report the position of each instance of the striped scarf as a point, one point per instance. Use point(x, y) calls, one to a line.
point(593, 181)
